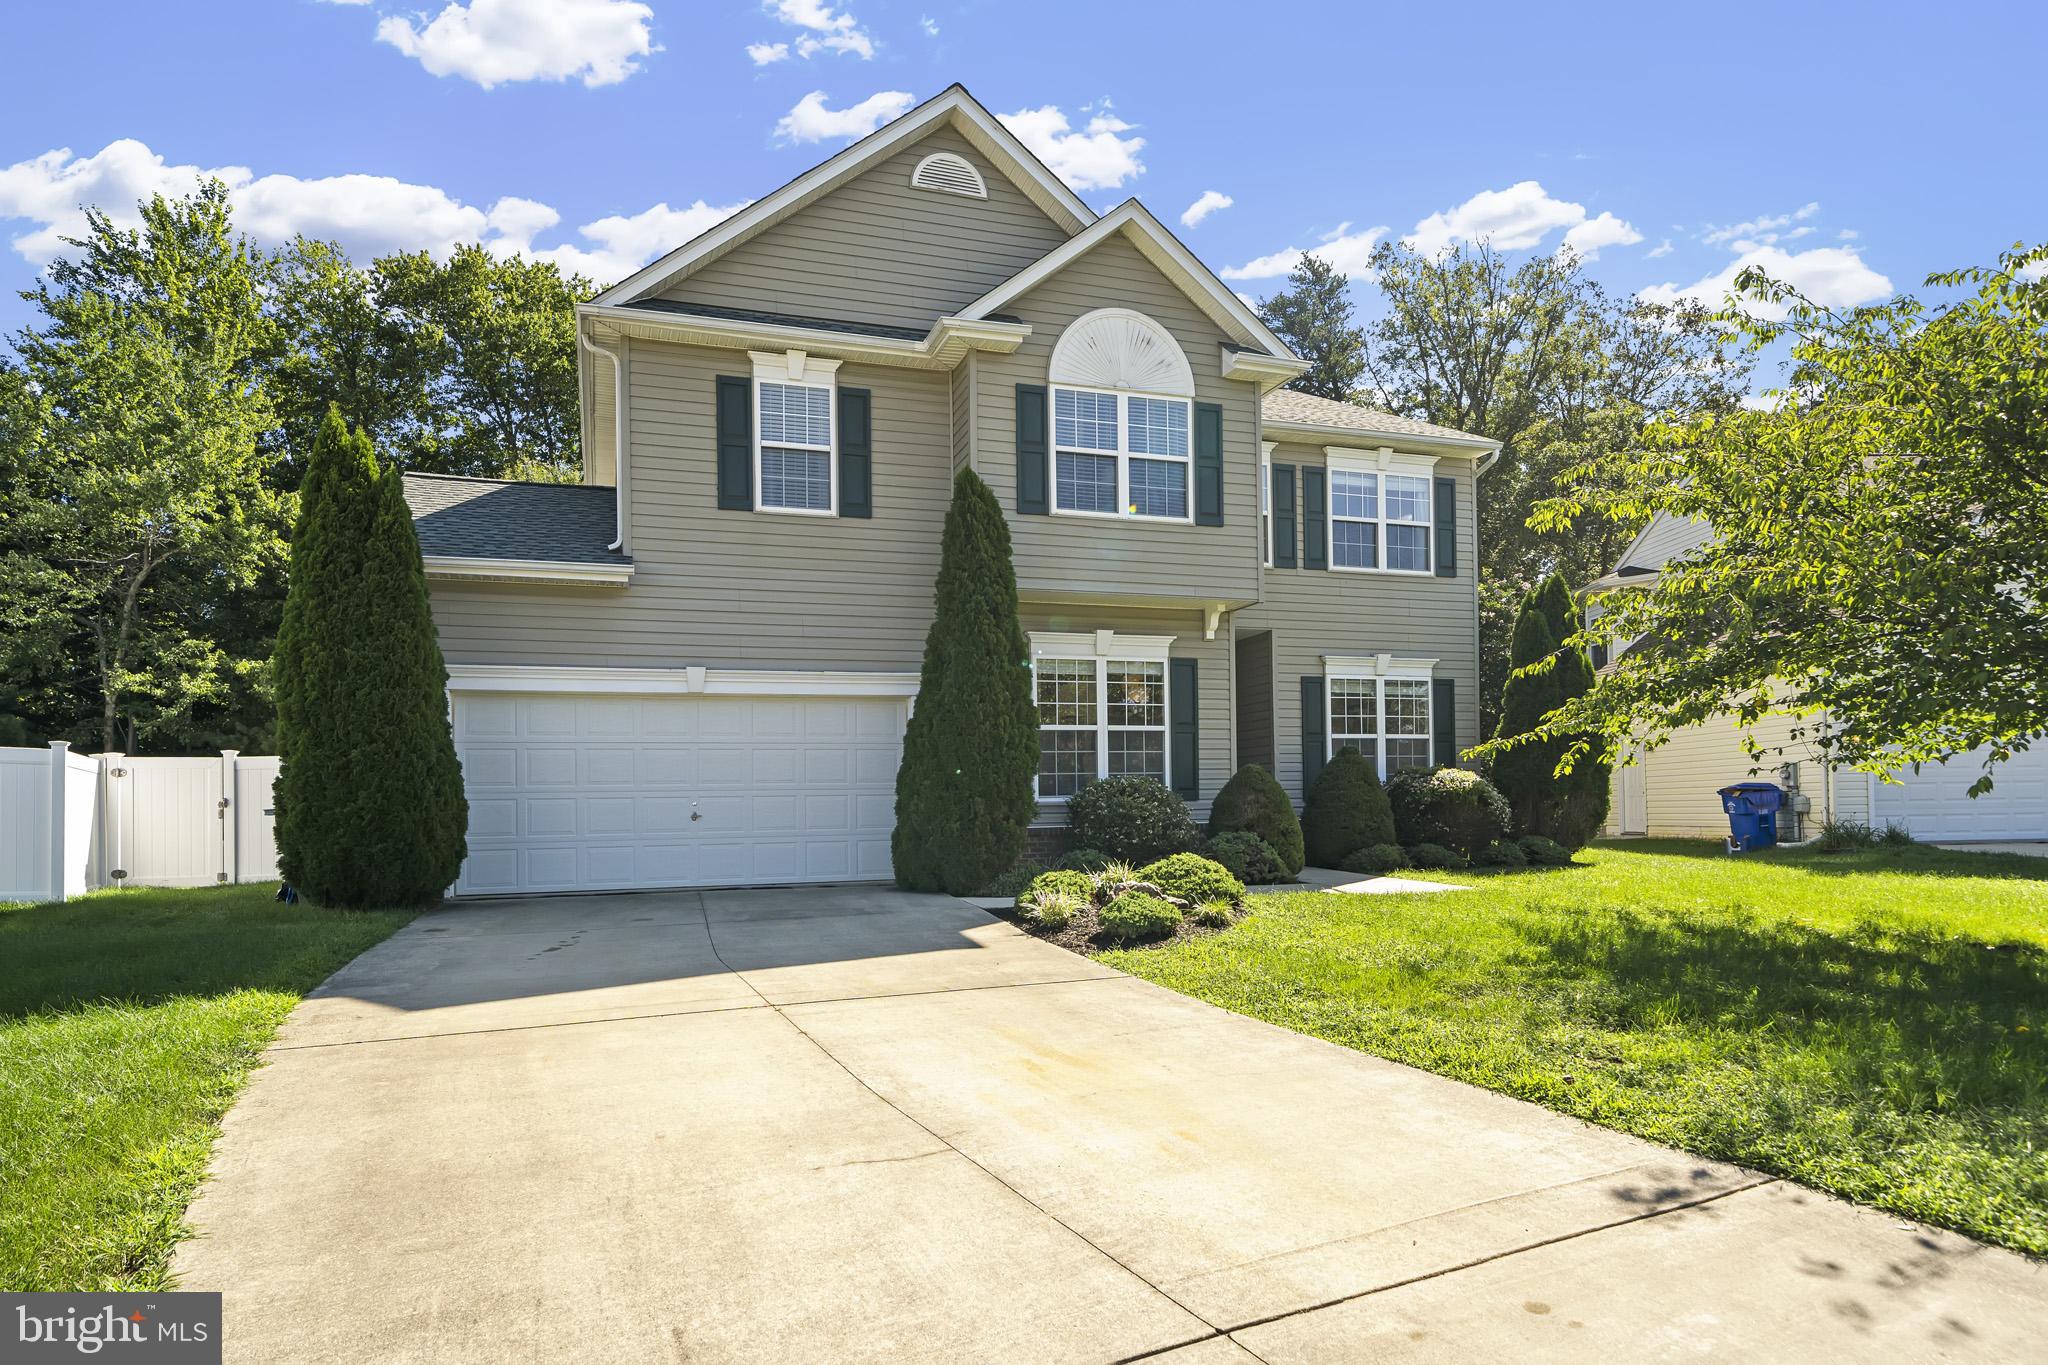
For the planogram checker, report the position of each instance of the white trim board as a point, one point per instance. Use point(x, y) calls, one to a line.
point(953, 106)
point(686, 681)
point(540, 570)
point(950, 340)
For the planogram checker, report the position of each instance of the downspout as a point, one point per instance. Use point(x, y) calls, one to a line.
point(618, 431)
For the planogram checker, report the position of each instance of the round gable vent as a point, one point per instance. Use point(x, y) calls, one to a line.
point(949, 174)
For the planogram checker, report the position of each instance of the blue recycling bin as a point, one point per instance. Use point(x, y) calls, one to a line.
point(1752, 813)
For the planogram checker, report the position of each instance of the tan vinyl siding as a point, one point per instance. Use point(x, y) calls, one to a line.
point(874, 250)
point(1682, 779)
point(737, 589)
point(962, 399)
point(1665, 537)
point(1074, 554)
point(1313, 612)
point(1213, 711)
point(1254, 696)
point(599, 460)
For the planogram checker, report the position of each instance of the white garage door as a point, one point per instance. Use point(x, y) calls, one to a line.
point(1935, 803)
point(594, 793)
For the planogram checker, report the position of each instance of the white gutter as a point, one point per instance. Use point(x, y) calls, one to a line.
point(618, 432)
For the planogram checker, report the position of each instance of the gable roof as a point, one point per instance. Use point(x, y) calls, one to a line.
point(952, 106)
point(1165, 251)
point(1288, 409)
point(558, 523)
point(1668, 536)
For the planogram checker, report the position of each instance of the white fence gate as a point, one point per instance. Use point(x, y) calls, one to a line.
point(71, 823)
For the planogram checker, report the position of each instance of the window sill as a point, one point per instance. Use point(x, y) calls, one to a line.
point(798, 511)
point(1124, 516)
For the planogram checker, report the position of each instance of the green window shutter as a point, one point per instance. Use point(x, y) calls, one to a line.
point(856, 454)
point(1443, 720)
point(1184, 732)
point(1315, 523)
point(1314, 746)
point(1446, 528)
point(1282, 505)
point(735, 443)
point(1033, 482)
point(1208, 464)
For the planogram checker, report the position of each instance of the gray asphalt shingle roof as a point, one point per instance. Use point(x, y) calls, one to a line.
point(563, 523)
point(1305, 409)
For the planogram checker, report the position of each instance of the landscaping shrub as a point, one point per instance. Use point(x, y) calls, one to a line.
point(1844, 836)
point(1013, 881)
point(1501, 853)
point(1083, 860)
point(965, 791)
point(1136, 916)
point(1213, 914)
point(1448, 806)
point(1435, 857)
point(1542, 852)
point(1133, 818)
point(1347, 810)
point(1568, 809)
point(1053, 910)
point(1057, 882)
point(1375, 859)
point(1896, 836)
point(370, 808)
point(1253, 801)
point(1249, 858)
point(1192, 877)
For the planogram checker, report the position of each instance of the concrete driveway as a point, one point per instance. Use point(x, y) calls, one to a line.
point(848, 1123)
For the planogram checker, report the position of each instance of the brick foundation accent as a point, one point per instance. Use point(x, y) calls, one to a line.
point(1047, 843)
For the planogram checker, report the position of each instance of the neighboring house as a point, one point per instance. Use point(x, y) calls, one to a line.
point(695, 668)
point(1671, 791)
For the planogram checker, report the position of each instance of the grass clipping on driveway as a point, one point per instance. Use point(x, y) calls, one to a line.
point(1868, 1023)
point(128, 1022)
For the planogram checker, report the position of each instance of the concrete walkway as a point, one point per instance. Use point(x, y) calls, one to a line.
point(845, 1124)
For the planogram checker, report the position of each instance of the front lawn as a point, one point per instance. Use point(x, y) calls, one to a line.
point(128, 1022)
point(1870, 1023)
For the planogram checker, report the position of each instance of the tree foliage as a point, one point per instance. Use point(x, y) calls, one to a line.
point(370, 809)
point(1313, 316)
point(965, 790)
point(1546, 669)
point(1880, 550)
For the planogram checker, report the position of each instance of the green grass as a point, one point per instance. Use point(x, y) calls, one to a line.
point(128, 1022)
point(1871, 1023)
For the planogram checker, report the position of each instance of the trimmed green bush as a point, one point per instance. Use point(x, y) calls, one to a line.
point(370, 808)
point(1435, 857)
point(1542, 852)
point(965, 791)
point(1012, 881)
point(1192, 877)
point(1136, 917)
point(1501, 853)
point(1448, 806)
point(1084, 860)
point(1253, 800)
point(1057, 882)
point(1248, 858)
point(1347, 810)
point(1375, 859)
point(1134, 819)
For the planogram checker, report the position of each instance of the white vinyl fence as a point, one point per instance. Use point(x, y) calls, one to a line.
point(70, 823)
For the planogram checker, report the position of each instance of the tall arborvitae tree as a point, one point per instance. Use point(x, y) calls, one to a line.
point(1569, 809)
point(1585, 792)
point(1313, 316)
point(370, 811)
point(964, 794)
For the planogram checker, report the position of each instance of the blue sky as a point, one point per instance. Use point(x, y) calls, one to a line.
point(1853, 147)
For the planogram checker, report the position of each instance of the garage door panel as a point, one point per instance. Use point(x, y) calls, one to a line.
point(548, 767)
point(877, 814)
point(548, 817)
point(664, 815)
point(488, 716)
point(776, 815)
point(606, 816)
point(549, 718)
point(484, 768)
point(829, 813)
point(773, 767)
point(1935, 803)
point(610, 767)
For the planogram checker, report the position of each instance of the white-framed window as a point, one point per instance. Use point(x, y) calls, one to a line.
point(1381, 512)
point(1120, 454)
point(1101, 709)
point(1381, 707)
point(796, 436)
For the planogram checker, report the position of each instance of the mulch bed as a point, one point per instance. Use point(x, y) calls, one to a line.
point(1079, 935)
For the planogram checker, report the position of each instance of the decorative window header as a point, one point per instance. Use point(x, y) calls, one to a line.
point(1120, 348)
point(793, 367)
point(1099, 644)
point(1375, 666)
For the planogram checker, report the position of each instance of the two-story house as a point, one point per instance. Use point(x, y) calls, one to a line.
point(695, 668)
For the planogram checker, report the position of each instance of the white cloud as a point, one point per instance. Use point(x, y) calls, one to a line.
point(1342, 249)
point(1588, 237)
point(1662, 248)
point(824, 29)
point(1210, 201)
point(929, 25)
point(1832, 276)
point(369, 215)
point(1763, 230)
point(811, 121)
point(493, 42)
point(1847, 235)
point(1093, 159)
point(1520, 216)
